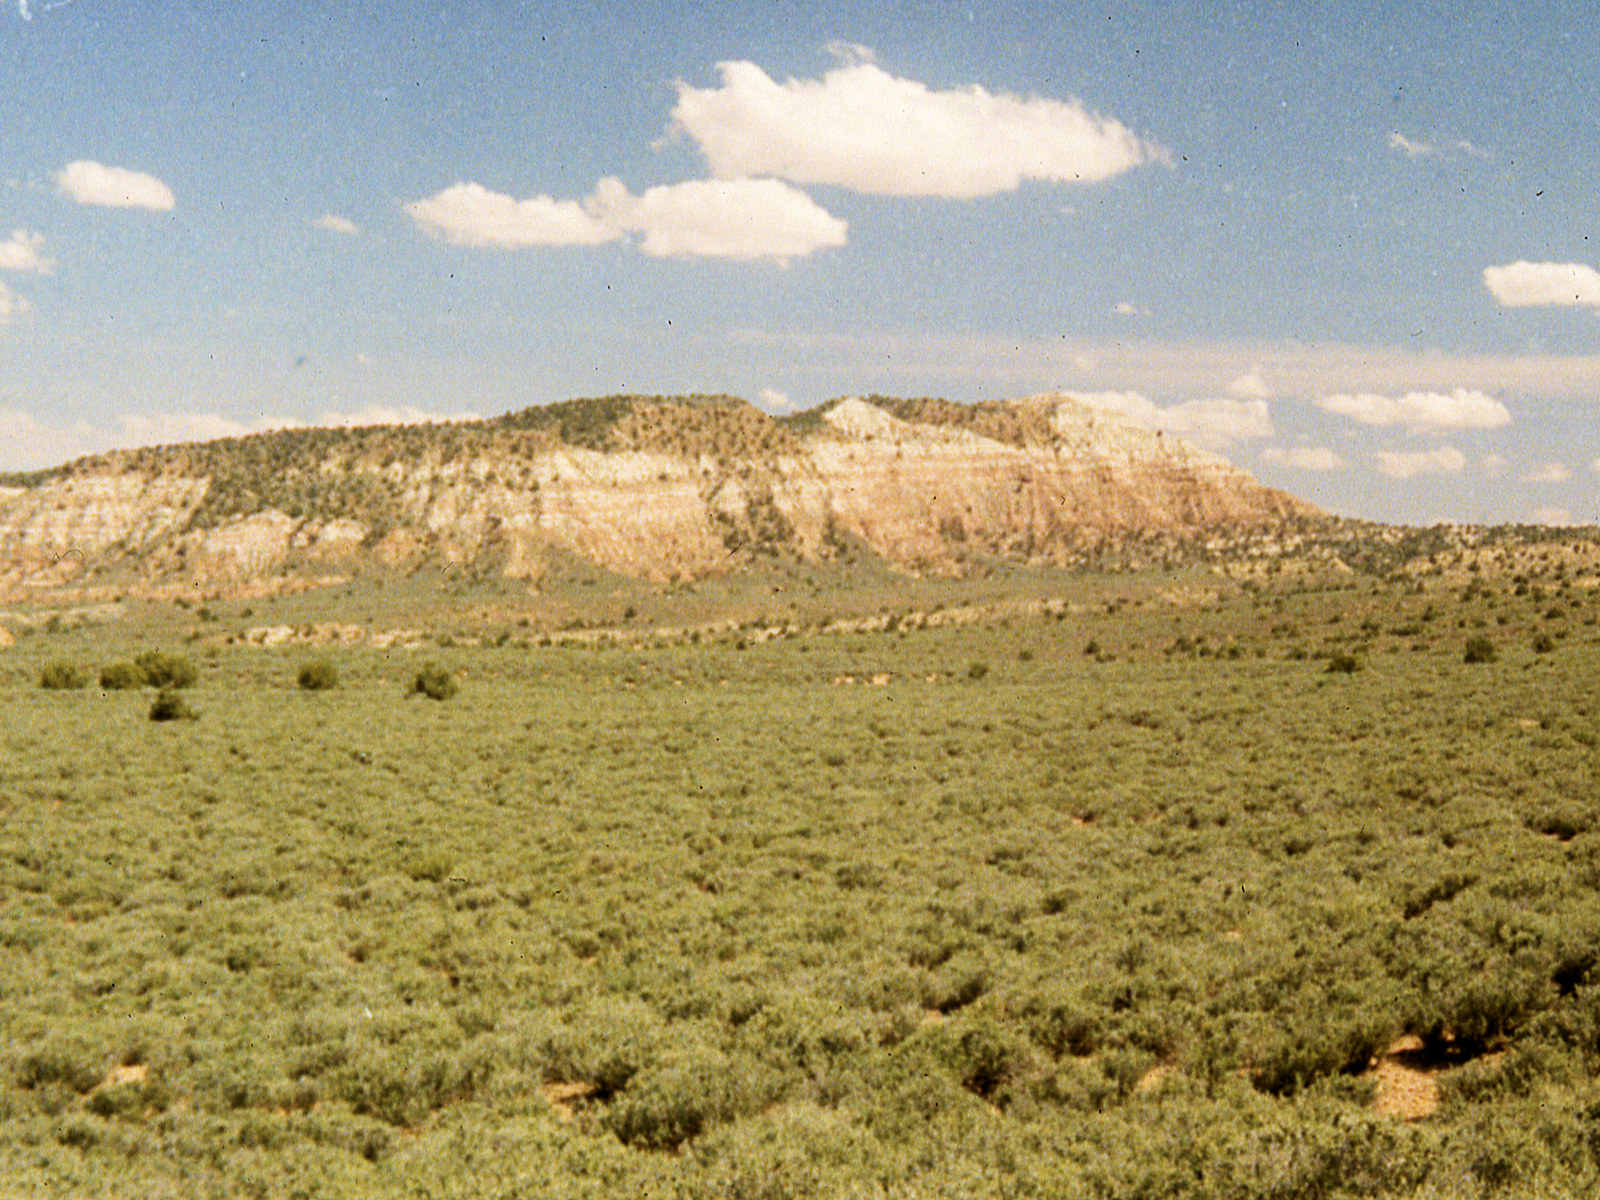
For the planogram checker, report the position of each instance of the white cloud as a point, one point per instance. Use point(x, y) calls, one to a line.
point(719, 218)
point(469, 214)
point(113, 187)
point(1464, 408)
point(1548, 472)
point(21, 253)
point(1524, 284)
point(1399, 141)
point(1127, 308)
point(1553, 516)
point(334, 223)
point(1594, 466)
point(1493, 464)
point(773, 400)
point(22, 10)
point(12, 305)
point(1250, 386)
point(1446, 460)
point(1213, 424)
point(864, 129)
point(1303, 458)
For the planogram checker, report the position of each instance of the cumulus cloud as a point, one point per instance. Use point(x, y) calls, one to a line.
point(1446, 460)
point(21, 253)
point(773, 400)
point(1547, 472)
point(861, 128)
point(1303, 458)
point(113, 187)
point(1213, 424)
point(719, 218)
point(334, 223)
point(709, 218)
point(1526, 284)
point(469, 214)
point(12, 305)
point(1464, 408)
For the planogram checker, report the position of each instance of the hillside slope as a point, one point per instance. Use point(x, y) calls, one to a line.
point(646, 486)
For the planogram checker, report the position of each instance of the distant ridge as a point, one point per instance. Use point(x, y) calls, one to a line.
point(651, 486)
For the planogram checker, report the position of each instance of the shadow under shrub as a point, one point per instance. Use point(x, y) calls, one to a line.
point(434, 682)
point(169, 706)
point(318, 675)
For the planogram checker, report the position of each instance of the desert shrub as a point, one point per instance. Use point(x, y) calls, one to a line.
point(977, 670)
point(121, 677)
point(169, 706)
point(63, 676)
point(679, 1097)
point(434, 682)
point(1543, 643)
point(162, 669)
point(1343, 663)
point(1479, 650)
point(318, 675)
point(989, 1057)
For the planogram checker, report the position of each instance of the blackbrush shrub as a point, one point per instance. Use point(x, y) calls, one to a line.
point(318, 675)
point(977, 670)
point(120, 677)
point(1543, 643)
point(165, 670)
point(434, 682)
point(63, 676)
point(1480, 650)
point(169, 706)
point(1342, 663)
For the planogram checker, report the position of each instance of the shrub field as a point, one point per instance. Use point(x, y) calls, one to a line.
point(1265, 894)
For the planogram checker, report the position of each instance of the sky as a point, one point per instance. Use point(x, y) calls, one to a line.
point(1353, 248)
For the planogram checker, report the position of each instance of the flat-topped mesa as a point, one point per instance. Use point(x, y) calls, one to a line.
point(649, 486)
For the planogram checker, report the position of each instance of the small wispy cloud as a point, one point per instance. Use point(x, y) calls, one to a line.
point(334, 223)
point(21, 252)
point(1250, 385)
point(113, 187)
point(1525, 284)
point(1408, 147)
point(1463, 408)
point(1127, 308)
point(1547, 472)
point(12, 305)
point(1446, 460)
point(22, 10)
point(1303, 458)
point(1553, 516)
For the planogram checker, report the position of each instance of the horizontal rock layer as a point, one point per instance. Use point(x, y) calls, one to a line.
point(652, 488)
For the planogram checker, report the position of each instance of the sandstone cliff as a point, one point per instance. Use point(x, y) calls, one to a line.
point(650, 487)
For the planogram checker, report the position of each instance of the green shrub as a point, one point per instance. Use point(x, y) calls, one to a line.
point(318, 675)
point(169, 706)
point(1480, 650)
point(1543, 643)
point(63, 676)
point(1342, 663)
point(164, 670)
point(977, 670)
point(121, 677)
point(434, 682)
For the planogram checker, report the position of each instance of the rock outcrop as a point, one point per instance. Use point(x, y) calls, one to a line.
point(644, 486)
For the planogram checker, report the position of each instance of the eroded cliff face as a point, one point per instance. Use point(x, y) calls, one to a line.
point(922, 494)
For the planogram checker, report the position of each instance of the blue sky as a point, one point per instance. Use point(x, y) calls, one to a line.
point(1353, 248)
